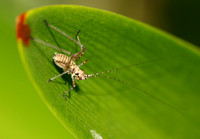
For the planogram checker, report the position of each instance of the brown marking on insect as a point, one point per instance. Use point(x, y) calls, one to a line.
point(22, 29)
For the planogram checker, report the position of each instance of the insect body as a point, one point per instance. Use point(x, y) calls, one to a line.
point(69, 66)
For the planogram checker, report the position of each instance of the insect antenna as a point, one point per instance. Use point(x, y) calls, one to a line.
point(125, 67)
point(142, 91)
point(99, 74)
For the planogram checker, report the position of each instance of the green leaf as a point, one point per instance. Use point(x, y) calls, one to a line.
point(154, 95)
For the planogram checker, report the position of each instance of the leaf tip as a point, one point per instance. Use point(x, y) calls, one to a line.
point(22, 29)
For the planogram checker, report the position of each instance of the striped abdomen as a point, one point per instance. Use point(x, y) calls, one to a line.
point(62, 60)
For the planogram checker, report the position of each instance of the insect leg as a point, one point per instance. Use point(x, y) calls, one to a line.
point(58, 76)
point(82, 47)
point(67, 92)
point(82, 63)
point(74, 85)
point(63, 33)
point(78, 55)
point(73, 81)
point(78, 36)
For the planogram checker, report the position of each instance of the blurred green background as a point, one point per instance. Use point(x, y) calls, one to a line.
point(22, 112)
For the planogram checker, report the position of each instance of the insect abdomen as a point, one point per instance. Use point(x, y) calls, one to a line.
point(61, 60)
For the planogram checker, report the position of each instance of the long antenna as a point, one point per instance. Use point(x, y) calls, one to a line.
point(124, 67)
point(142, 91)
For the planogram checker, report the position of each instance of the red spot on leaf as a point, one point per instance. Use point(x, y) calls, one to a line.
point(23, 30)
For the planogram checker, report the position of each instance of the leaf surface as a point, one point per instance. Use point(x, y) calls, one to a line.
point(154, 95)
